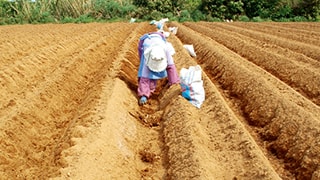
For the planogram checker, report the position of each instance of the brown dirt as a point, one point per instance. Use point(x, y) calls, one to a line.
point(69, 110)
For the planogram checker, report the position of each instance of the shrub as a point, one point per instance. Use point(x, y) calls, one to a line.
point(154, 15)
point(67, 20)
point(299, 19)
point(257, 19)
point(244, 18)
point(171, 16)
point(283, 20)
point(185, 16)
point(213, 19)
point(84, 19)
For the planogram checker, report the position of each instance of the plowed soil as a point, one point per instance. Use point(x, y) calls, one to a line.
point(69, 108)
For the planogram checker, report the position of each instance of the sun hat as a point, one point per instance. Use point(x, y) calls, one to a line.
point(156, 58)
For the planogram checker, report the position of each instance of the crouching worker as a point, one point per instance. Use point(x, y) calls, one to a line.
point(156, 62)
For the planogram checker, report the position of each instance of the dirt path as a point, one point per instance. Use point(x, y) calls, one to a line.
point(69, 105)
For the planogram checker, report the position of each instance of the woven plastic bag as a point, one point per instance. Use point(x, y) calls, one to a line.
point(190, 49)
point(192, 85)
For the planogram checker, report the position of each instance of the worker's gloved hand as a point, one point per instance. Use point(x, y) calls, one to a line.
point(143, 100)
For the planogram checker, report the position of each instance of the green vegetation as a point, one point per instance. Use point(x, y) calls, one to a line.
point(84, 11)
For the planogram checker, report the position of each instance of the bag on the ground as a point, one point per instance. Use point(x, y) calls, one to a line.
point(192, 85)
point(173, 30)
point(190, 49)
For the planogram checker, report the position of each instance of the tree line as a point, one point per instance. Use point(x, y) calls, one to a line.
point(82, 11)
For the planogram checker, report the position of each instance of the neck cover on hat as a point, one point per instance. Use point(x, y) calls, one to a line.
point(156, 58)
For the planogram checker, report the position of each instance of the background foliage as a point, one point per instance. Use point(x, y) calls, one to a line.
point(82, 11)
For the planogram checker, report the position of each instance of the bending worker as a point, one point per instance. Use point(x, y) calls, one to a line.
point(156, 62)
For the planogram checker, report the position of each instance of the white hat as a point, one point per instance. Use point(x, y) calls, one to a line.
point(156, 58)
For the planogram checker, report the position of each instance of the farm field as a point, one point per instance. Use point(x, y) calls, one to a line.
point(69, 108)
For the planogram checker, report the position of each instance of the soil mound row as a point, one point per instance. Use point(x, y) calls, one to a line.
point(21, 42)
point(312, 27)
point(23, 74)
point(125, 143)
point(202, 145)
point(203, 142)
point(298, 75)
point(189, 148)
point(35, 125)
point(299, 47)
point(282, 123)
point(304, 36)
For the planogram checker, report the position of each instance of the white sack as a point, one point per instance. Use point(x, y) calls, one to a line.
point(190, 49)
point(192, 85)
